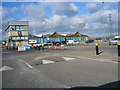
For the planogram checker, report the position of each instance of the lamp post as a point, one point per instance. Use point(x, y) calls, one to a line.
point(104, 26)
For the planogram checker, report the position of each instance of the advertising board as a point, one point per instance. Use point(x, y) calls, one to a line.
point(32, 41)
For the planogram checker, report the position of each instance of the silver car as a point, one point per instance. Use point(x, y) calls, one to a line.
point(114, 41)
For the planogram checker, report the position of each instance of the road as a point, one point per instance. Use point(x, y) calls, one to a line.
point(73, 67)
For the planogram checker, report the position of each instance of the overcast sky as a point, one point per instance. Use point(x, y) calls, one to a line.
point(89, 18)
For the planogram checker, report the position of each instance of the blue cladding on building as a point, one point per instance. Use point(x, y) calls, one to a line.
point(77, 38)
point(57, 37)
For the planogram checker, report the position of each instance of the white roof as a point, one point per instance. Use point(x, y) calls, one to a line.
point(17, 23)
point(64, 34)
point(40, 35)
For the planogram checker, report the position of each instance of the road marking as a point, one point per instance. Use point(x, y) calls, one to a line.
point(67, 87)
point(6, 68)
point(38, 58)
point(29, 65)
point(47, 61)
point(56, 54)
point(102, 60)
point(26, 63)
point(68, 58)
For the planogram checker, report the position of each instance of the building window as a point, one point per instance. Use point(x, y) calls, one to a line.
point(26, 38)
point(13, 38)
point(22, 38)
point(17, 38)
point(21, 27)
point(18, 28)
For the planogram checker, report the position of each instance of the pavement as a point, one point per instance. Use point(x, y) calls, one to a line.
point(76, 66)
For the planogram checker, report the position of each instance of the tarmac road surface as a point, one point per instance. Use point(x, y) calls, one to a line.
point(72, 67)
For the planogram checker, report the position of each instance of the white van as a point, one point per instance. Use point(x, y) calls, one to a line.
point(115, 40)
point(71, 42)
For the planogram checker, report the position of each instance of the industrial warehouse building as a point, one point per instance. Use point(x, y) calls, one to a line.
point(58, 37)
point(17, 34)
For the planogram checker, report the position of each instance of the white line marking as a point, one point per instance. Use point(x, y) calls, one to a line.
point(5, 68)
point(102, 60)
point(29, 65)
point(68, 58)
point(67, 87)
point(47, 61)
point(26, 63)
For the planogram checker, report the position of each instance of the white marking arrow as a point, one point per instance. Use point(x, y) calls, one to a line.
point(5, 68)
point(47, 62)
point(68, 58)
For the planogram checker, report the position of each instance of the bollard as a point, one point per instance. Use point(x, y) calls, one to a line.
point(118, 48)
point(32, 45)
point(62, 47)
point(8, 47)
point(55, 48)
point(38, 47)
point(49, 47)
point(97, 49)
point(35, 47)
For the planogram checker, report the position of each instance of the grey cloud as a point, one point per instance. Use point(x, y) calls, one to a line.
point(62, 22)
point(92, 7)
point(68, 9)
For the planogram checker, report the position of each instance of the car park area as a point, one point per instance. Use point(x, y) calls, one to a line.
point(75, 66)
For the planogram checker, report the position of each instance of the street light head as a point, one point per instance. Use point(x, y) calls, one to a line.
point(102, 2)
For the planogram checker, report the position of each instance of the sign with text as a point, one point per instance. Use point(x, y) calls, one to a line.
point(32, 41)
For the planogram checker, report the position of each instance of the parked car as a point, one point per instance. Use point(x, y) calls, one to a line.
point(63, 42)
point(114, 41)
point(71, 42)
point(54, 42)
point(89, 41)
